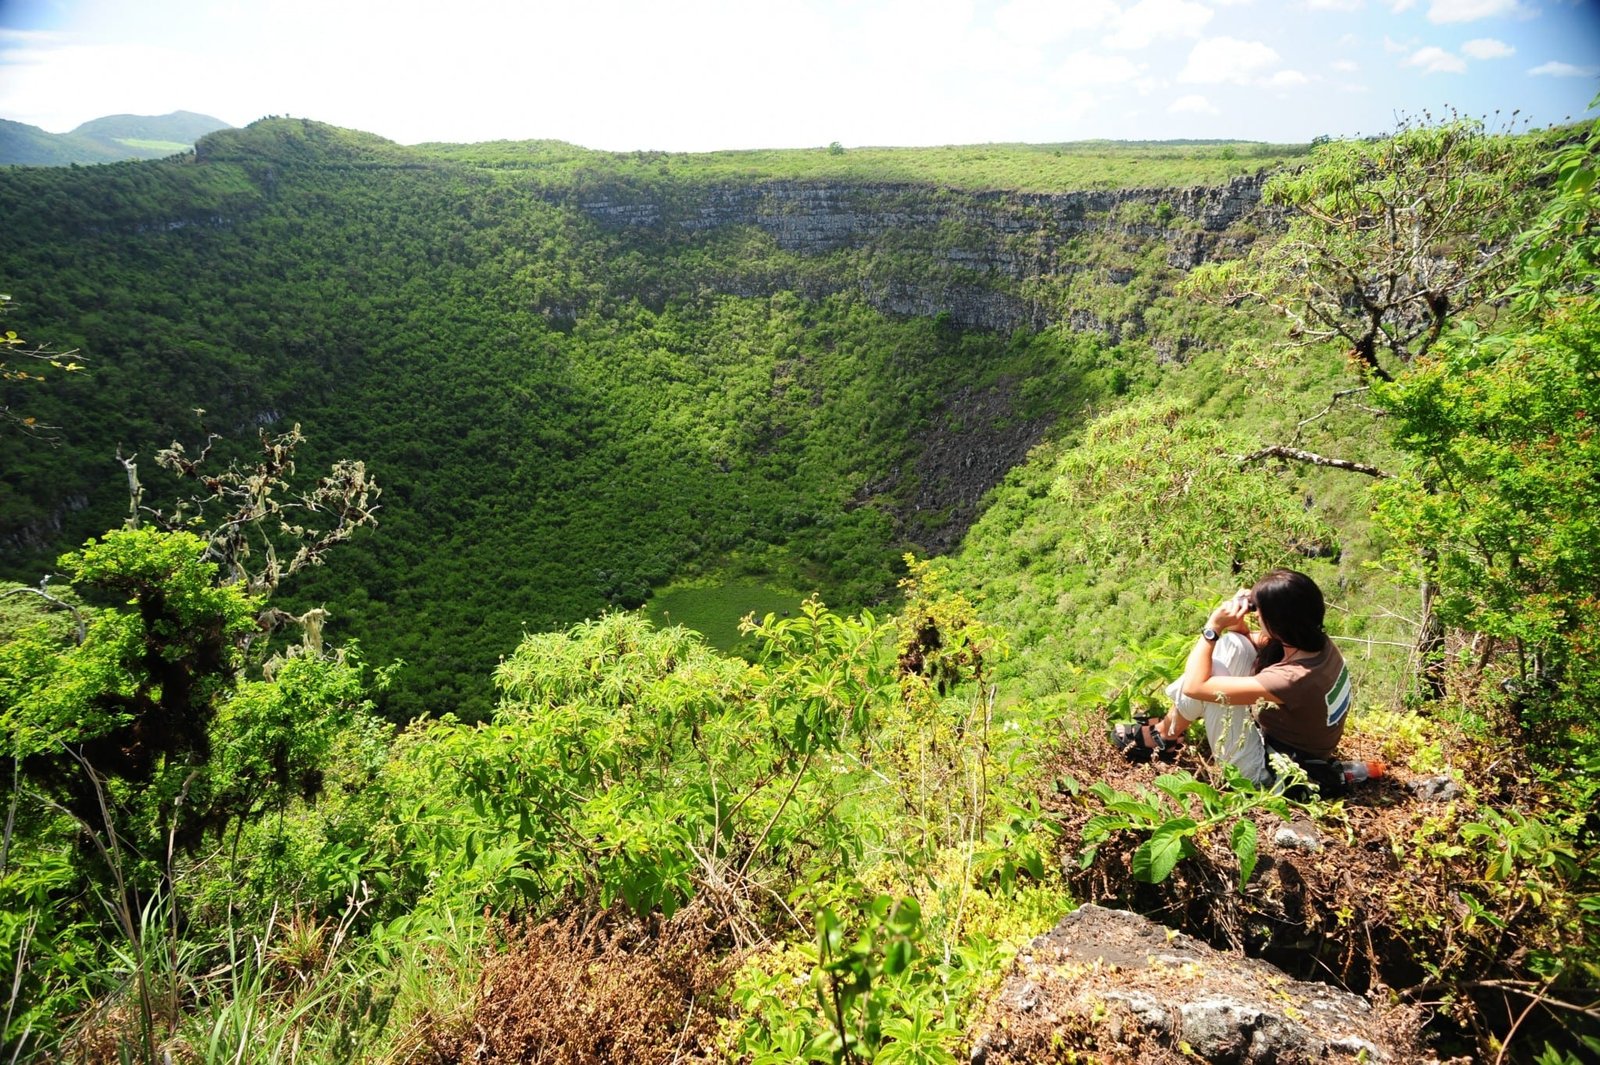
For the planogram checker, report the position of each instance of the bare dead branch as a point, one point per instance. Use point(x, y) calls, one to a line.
point(16, 358)
point(1295, 454)
point(1540, 993)
point(80, 627)
point(135, 490)
point(1341, 394)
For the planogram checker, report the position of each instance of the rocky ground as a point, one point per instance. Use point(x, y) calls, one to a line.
point(1121, 988)
point(1371, 896)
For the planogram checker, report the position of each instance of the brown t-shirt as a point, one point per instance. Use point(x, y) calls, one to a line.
point(1314, 696)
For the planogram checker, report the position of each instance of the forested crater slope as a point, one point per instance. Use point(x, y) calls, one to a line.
point(578, 375)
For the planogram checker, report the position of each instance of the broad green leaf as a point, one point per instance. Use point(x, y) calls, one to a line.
point(1100, 826)
point(1154, 860)
point(897, 959)
point(1244, 848)
point(1134, 808)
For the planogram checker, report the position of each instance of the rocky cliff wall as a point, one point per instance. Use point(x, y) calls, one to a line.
point(976, 252)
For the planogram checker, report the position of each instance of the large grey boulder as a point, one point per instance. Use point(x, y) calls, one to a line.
point(1112, 986)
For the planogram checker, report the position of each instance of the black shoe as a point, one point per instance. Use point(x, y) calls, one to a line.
point(1139, 741)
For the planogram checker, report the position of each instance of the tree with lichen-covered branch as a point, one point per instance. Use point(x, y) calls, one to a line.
point(21, 363)
point(258, 528)
point(1389, 240)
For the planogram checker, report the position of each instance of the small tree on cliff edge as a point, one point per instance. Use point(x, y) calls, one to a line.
point(1389, 240)
point(120, 723)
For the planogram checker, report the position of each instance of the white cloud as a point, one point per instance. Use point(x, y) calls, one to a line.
point(1047, 20)
point(1487, 48)
point(1150, 20)
point(702, 74)
point(1223, 59)
point(1392, 45)
point(1557, 69)
point(1335, 5)
point(152, 81)
point(28, 36)
point(1091, 68)
point(1441, 11)
point(1435, 60)
point(1398, 6)
point(1192, 104)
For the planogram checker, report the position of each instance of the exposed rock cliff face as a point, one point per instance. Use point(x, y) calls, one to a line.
point(1119, 988)
point(38, 534)
point(812, 217)
point(975, 441)
point(976, 251)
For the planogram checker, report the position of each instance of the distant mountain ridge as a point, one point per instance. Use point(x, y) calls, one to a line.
point(109, 139)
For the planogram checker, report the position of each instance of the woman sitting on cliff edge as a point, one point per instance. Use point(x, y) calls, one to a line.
point(1289, 666)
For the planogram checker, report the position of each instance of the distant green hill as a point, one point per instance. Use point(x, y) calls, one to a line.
point(32, 146)
point(105, 140)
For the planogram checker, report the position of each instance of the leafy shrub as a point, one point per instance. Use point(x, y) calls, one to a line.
point(1174, 819)
point(1498, 505)
point(1403, 737)
point(872, 994)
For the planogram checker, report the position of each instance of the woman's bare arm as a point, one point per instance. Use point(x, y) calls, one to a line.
point(1198, 683)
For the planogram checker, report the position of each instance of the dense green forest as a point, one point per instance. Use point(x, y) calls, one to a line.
point(345, 741)
point(564, 414)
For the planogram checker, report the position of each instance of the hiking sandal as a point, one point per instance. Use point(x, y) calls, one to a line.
point(1139, 740)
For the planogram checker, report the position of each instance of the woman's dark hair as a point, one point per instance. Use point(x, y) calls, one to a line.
point(1290, 607)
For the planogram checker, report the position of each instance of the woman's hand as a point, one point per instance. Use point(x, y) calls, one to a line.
point(1230, 615)
point(1173, 725)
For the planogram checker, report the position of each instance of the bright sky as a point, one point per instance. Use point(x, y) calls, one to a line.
point(691, 75)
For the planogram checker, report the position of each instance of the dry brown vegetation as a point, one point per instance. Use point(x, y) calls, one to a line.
point(609, 988)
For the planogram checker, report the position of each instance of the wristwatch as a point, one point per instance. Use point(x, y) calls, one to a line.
point(1208, 634)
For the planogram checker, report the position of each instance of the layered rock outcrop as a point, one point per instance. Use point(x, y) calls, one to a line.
point(976, 252)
